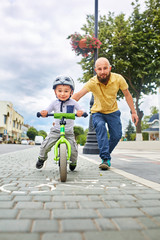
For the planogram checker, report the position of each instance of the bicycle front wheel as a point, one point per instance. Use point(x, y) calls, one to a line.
point(63, 162)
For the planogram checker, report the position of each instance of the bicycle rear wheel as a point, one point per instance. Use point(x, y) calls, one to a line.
point(63, 162)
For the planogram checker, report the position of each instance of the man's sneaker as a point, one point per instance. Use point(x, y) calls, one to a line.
point(105, 165)
point(72, 166)
point(39, 163)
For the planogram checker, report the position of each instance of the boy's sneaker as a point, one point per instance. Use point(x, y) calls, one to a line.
point(105, 165)
point(72, 166)
point(39, 163)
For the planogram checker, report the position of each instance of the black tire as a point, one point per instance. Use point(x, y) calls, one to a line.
point(63, 162)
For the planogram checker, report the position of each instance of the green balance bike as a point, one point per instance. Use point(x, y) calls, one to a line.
point(62, 148)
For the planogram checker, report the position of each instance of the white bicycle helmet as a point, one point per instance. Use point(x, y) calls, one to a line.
point(63, 80)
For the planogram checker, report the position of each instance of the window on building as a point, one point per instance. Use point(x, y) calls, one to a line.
point(5, 119)
point(14, 123)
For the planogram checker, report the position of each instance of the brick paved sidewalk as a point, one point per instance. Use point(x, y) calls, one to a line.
point(91, 205)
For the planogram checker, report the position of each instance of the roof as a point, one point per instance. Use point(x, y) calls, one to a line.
point(154, 117)
point(151, 130)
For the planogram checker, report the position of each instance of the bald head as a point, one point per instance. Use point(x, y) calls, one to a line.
point(103, 70)
point(101, 61)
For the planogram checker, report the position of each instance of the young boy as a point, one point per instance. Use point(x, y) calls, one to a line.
point(63, 87)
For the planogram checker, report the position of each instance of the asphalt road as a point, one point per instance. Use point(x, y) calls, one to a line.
point(6, 148)
point(142, 163)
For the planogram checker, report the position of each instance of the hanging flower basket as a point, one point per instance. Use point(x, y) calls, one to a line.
point(84, 44)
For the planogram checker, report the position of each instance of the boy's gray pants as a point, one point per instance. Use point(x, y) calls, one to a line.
point(50, 141)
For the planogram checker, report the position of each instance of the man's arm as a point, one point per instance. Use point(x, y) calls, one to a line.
point(78, 95)
point(130, 103)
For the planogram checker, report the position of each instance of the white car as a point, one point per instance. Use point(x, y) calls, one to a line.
point(38, 140)
point(24, 142)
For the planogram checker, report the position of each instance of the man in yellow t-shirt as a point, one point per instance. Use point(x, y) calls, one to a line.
point(104, 87)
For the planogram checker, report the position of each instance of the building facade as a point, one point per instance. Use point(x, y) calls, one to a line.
point(11, 122)
point(153, 129)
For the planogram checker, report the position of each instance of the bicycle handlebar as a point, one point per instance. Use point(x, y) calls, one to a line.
point(83, 115)
point(52, 114)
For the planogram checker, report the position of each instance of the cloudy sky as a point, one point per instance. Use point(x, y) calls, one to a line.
point(34, 50)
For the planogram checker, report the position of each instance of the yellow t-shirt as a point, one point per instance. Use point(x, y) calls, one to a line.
point(105, 96)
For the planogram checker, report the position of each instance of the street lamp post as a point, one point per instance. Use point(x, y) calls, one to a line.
point(159, 109)
point(96, 30)
point(91, 146)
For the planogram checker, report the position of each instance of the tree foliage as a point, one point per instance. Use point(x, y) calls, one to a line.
point(153, 110)
point(81, 139)
point(42, 133)
point(132, 46)
point(78, 131)
point(31, 133)
point(129, 131)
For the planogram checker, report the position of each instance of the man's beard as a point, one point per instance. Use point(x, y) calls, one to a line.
point(104, 80)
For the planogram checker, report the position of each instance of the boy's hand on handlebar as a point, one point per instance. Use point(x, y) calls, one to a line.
point(79, 113)
point(44, 113)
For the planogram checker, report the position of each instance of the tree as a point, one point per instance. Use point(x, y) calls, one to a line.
point(144, 71)
point(42, 133)
point(132, 47)
point(81, 139)
point(129, 131)
point(86, 131)
point(31, 133)
point(78, 131)
point(154, 110)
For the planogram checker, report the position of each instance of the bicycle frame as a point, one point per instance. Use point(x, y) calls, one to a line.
point(62, 139)
point(62, 147)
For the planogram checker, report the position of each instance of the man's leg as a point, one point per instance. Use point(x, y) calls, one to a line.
point(115, 129)
point(99, 123)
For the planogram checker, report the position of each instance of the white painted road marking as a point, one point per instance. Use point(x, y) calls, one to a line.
point(135, 178)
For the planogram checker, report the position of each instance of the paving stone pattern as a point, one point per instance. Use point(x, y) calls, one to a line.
point(91, 205)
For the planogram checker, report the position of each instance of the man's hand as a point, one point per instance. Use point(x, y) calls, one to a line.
point(79, 113)
point(135, 118)
point(130, 103)
point(44, 113)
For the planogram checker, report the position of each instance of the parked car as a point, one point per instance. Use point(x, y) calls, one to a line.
point(24, 142)
point(38, 140)
point(31, 142)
